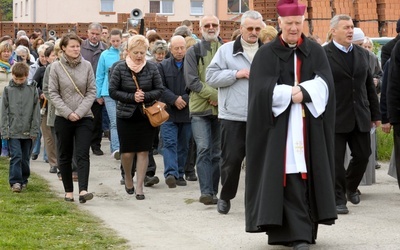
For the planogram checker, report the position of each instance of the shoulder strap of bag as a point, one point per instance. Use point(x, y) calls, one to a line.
point(137, 85)
point(76, 88)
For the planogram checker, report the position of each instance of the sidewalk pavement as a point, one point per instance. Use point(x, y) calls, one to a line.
point(174, 219)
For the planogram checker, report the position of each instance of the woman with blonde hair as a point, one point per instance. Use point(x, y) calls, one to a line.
point(6, 62)
point(267, 34)
point(136, 135)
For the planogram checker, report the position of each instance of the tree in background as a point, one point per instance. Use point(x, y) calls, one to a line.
point(6, 11)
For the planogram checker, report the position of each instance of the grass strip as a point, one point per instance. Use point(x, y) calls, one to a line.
point(37, 219)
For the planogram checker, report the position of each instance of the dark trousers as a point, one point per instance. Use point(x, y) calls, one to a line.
point(348, 180)
point(233, 151)
point(73, 140)
point(97, 133)
point(191, 158)
point(396, 139)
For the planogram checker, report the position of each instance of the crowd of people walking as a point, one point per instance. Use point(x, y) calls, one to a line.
point(280, 102)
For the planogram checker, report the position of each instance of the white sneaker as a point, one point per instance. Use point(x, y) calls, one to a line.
point(116, 155)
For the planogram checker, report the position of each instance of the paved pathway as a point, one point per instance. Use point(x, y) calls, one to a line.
point(173, 219)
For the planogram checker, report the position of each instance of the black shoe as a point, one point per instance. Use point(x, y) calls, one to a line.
point(98, 152)
point(69, 199)
point(223, 207)
point(140, 197)
point(122, 181)
point(34, 156)
point(53, 169)
point(130, 190)
point(353, 197)
point(206, 199)
point(170, 181)
point(342, 209)
point(181, 182)
point(150, 181)
point(191, 177)
point(301, 246)
point(85, 197)
point(377, 166)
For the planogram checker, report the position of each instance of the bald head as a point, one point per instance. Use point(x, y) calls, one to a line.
point(178, 47)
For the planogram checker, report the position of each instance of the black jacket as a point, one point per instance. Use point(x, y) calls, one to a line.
point(387, 50)
point(356, 99)
point(393, 87)
point(175, 86)
point(122, 87)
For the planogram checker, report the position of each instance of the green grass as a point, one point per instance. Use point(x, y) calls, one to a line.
point(384, 144)
point(37, 219)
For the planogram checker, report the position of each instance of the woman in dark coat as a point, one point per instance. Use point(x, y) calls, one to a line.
point(134, 129)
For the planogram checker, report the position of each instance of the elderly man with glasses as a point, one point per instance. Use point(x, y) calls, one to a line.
point(229, 72)
point(203, 102)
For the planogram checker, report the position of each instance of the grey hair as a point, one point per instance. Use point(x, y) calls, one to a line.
point(250, 14)
point(42, 48)
point(336, 19)
point(21, 33)
point(182, 31)
point(23, 49)
point(160, 45)
point(95, 26)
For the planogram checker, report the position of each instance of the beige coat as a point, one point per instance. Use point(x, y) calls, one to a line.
point(4, 80)
point(62, 92)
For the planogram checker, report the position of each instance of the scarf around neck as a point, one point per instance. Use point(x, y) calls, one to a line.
point(72, 62)
point(6, 66)
point(133, 66)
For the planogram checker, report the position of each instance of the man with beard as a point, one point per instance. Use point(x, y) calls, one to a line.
point(290, 136)
point(203, 109)
point(229, 72)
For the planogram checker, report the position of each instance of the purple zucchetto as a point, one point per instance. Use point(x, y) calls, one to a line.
point(290, 8)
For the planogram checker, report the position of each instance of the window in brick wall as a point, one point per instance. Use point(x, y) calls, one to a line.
point(238, 6)
point(162, 7)
point(107, 5)
point(196, 7)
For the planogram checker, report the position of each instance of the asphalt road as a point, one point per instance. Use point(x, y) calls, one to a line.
point(174, 219)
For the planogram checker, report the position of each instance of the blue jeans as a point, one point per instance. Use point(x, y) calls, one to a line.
point(37, 144)
point(20, 151)
point(175, 138)
point(111, 107)
point(207, 135)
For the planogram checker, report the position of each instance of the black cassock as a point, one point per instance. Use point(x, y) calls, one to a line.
point(266, 139)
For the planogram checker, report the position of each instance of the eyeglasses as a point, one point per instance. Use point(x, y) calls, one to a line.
point(208, 25)
point(250, 29)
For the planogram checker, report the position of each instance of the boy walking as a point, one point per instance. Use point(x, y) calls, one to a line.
point(19, 121)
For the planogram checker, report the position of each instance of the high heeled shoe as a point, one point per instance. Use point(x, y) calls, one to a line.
point(130, 191)
point(85, 197)
point(140, 197)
